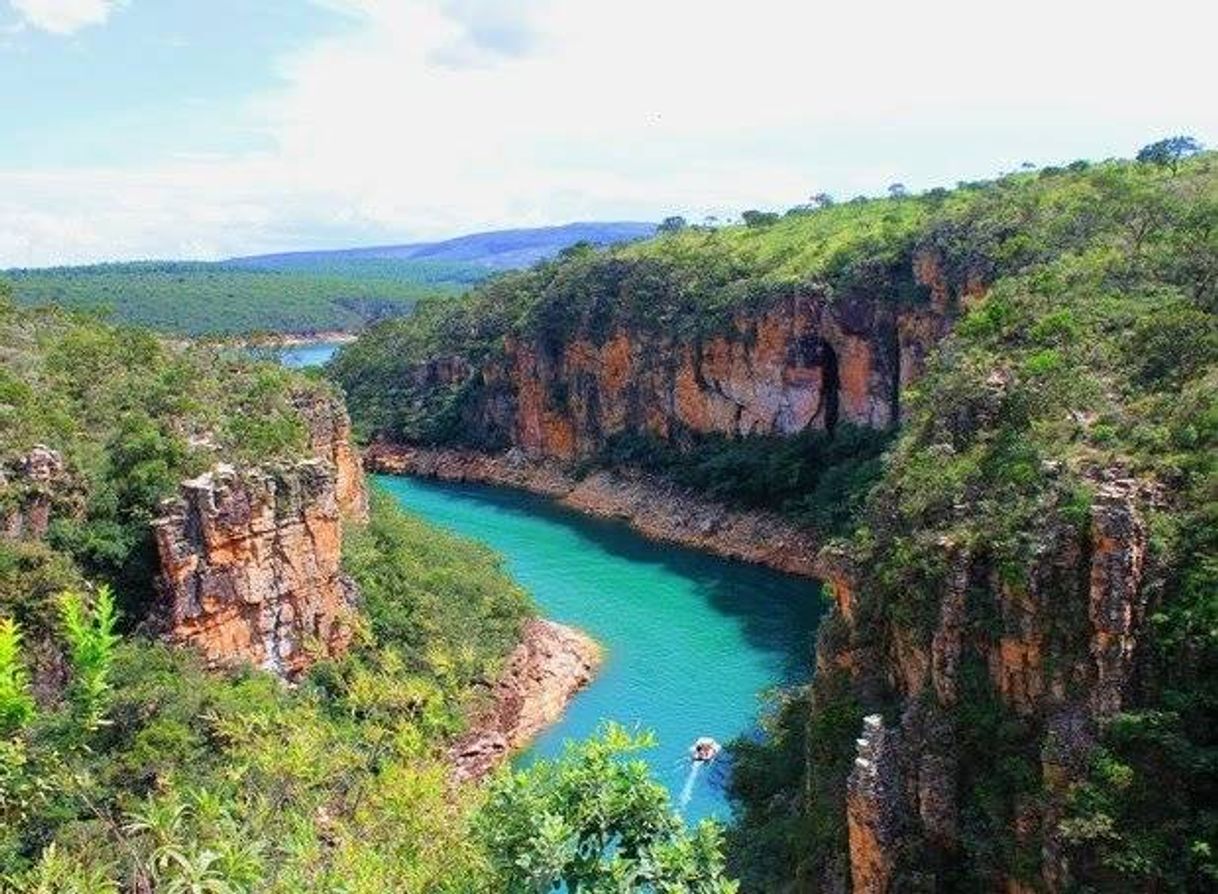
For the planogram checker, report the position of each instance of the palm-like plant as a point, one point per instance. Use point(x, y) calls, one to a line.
point(91, 642)
point(16, 703)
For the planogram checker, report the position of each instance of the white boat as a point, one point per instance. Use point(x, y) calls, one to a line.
point(704, 750)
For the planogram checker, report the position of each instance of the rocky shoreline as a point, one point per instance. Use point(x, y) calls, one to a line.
point(656, 508)
point(551, 664)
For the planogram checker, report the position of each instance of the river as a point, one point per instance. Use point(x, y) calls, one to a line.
point(315, 353)
point(691, 640)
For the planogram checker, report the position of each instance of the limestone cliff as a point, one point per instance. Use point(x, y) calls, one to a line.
point(250, 566)
point(329, 432)
point(800, 361)
point(250, 558)
point(1058, 653)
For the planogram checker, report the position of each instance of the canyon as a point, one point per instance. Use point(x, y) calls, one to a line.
point(1053, 646)
point(651, 505)
point(802, 361)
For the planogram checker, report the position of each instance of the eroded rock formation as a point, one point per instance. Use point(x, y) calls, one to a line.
point(873, 805)
point(250, 567)
point(29, 487)
point(1057, 651)
point(250, 558)
point(330, 438)
point(552, 663)
point(803, 362)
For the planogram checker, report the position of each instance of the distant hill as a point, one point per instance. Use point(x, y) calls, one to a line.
point(496, 250)
point(300, 292)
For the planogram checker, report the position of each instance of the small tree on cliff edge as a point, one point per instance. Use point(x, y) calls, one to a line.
point(1170, 152)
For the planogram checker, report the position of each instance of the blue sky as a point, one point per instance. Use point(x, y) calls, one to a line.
point(157, 78)
point(183, 128)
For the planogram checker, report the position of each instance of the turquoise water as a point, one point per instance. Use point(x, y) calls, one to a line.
point(691, 640)
point(314, 354)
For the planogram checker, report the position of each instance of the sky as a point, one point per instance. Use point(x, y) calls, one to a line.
point(212, 128)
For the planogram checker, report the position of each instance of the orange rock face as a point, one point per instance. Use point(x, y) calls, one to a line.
point(802, 363)
point(330, 439)
point(871, 818)
point(250, 567)
point(1060, 644)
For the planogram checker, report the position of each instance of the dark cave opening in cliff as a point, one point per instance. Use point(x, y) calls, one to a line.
point(830, 385)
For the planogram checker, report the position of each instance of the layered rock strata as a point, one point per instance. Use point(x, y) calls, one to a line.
point(804, 363)
point(329, 432)
point(250, 567)
point(1058, 652)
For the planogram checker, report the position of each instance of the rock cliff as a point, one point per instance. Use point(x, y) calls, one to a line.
point(803, 361)
point(329, 432)
point(250, 558)
point(1056, 654)
point(250, 567)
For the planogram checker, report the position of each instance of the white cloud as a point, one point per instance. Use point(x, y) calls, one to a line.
point(64, 16)
point(430, 117)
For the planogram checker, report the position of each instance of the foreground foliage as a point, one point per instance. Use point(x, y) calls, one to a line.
point(232, 782)
point(595, 820)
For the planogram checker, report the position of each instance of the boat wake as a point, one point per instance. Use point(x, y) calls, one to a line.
point(687, 791)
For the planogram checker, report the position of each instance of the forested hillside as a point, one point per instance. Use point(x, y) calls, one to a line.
point(300, 292)
point(1026, 604)
point(493, 251)
point(128, 764)
point(228, 299)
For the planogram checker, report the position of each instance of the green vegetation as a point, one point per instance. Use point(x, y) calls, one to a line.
point(425, 592)
point(132, 416)
point(125, 766)
point(688, 282)
point(817, 478)
point(193, 780)
point(1086, 350)
point(221, 299)
point(1093, 354)
point(167, 777)
point(596, 821)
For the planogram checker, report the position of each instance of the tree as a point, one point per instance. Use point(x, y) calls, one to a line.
point(897, 190)
point(673, 224)
point(822, 200)
point(595, 820)
point(1168, 153)
point(759, 218)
